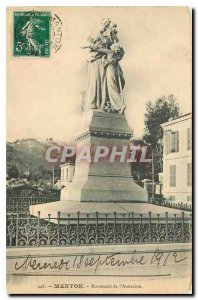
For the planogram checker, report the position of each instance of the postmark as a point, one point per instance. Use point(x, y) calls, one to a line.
point(32, 33)
point(56, 33)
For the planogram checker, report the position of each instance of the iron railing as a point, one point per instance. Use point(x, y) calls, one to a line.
point(24, 230)
point(22, 203)
point(177, 205)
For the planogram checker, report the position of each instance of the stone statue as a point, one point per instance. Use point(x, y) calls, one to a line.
point(105, 76)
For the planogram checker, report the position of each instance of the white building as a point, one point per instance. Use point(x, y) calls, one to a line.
point(177, 159)
point(67, 173)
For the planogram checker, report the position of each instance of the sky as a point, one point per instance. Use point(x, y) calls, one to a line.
point(43, 94)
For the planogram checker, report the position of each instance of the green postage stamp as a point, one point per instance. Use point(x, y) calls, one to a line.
point(31, 33)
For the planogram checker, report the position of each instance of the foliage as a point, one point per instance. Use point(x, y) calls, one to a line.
point(157, 113)
point(13, 171)
point(140, 170)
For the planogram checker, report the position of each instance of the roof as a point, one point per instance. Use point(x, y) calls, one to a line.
point(67, 164)
point(176, 120)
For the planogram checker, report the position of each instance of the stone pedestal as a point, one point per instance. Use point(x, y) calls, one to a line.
point(103, 181)
point(103, 186)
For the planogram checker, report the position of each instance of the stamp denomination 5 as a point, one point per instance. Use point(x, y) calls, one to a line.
point(32, 33)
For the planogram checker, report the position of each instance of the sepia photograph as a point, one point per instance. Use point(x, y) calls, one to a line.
point(99, 150)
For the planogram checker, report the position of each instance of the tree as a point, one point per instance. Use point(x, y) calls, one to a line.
point(138, 172)
point(13, 171)
point(157, 113)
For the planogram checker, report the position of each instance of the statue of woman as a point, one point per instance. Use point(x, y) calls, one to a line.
point(113, 81)
point(114, 100)
point(96, 70)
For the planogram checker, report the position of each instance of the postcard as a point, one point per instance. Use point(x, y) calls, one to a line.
point(99, 150)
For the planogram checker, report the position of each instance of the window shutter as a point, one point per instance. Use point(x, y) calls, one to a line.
point(172, 175)
point(177, 141)
point(189, 139)
point(167, 142)
point(189, 174)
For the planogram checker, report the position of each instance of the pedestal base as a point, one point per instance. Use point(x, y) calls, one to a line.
point(72, 207)
point(104, 189)
point(104, 180)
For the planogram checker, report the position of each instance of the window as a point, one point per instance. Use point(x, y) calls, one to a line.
point(167, 142)
point(171, 141)
point(189, 198)
point(172, 175)
point(175, 141)
point(189, 139)
point(189, 174)
point(160, 178)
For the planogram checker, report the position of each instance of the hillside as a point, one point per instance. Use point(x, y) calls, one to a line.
point(26, 158)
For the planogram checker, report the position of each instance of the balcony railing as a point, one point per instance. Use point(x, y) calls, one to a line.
point(24, 230)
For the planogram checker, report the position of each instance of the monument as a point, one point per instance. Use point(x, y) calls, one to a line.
point(104, 124)
point(106, 181)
